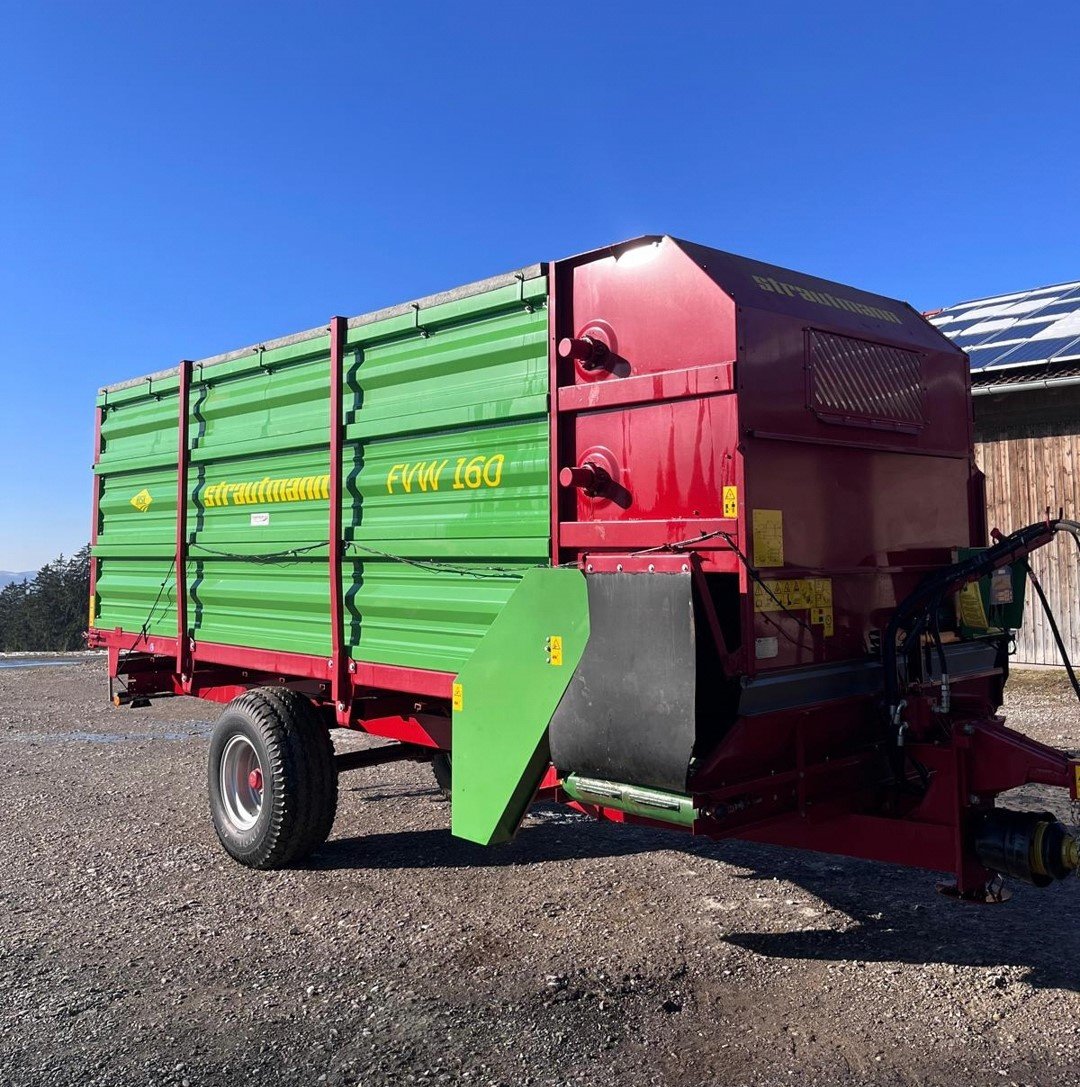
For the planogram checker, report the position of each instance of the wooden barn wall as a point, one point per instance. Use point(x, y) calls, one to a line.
point(1028, 445)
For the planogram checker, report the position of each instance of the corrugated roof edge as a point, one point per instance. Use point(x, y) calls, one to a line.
point(468, 290)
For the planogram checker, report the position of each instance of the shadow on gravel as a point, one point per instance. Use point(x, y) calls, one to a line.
point(537, 844)
point(893, 914)
point(897, 916)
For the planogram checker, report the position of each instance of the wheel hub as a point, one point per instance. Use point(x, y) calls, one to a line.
point(241, 782)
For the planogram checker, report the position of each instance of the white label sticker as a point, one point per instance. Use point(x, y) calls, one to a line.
point(260, 518)
point(766, 648)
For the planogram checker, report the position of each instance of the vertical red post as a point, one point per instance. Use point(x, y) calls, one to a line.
point(555, 503)
point(95, 517)
point(183, 456)
point(339, 676)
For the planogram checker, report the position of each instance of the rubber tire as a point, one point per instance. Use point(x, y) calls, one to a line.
point(321, 754)
point(299, 777)
point(444, 777)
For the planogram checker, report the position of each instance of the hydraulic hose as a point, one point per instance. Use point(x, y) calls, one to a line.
point(913, 611)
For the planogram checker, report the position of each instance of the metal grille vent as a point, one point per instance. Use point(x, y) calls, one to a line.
point(858, 383)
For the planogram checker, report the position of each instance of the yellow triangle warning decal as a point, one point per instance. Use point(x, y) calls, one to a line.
point(142, 500)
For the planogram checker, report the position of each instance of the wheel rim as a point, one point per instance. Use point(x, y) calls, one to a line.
point(241, 782)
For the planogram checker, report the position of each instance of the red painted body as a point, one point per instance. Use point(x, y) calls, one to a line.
point(676, 372)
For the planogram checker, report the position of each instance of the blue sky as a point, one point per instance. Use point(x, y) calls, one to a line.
point(176, 180)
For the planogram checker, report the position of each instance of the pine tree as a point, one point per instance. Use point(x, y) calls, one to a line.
point(47, 613)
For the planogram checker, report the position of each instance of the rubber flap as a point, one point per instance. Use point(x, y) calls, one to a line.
point(628, 714)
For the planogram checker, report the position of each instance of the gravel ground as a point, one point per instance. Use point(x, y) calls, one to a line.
point(134, 952)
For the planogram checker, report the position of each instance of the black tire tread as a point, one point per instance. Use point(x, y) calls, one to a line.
point(301, 765)
point(442, 770)
point(322, 770)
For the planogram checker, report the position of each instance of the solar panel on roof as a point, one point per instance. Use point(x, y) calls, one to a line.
point(1026, 329)
point(1016, 331)
point(1019, 329)
point(960, 328)
point(981, 357)
point(1029, 306)
point(1035, 350)
point(992, 325)
point(1059, 289)
point(1058, 306)
point(965, 343)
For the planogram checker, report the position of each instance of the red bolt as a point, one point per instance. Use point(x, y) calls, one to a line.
point(255, 778)
point(591, 478)
point(583, 476)
point(588, 351)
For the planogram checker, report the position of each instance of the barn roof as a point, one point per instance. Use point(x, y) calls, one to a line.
point(1019, 337)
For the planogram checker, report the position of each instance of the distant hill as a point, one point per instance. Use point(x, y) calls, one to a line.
point(9, 576)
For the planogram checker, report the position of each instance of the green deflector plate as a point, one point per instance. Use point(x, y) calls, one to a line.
point(504, 698)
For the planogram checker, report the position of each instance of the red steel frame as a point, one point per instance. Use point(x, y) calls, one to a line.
point(95, 513)
point(340, 692)
point(555, 463)
point(812, 803)
point(183, 458)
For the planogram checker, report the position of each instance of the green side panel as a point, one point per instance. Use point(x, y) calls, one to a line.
point(254, 421)
point(504, 697)
point(445, 486)
point(137, 544)
point(446, 466)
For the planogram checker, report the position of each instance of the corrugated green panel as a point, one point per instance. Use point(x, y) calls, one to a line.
point(445, 467)
point(486, 370)
point(450, 464)
point(130, 595)
point(418, 501)
point(254, 429)
point(483, 488)
point(272, 508)
point(141, 432)
point(138, 512)
point(137, 541)
point(261, 410)
point(249, 506)
point(406, 615)
point(283, 607)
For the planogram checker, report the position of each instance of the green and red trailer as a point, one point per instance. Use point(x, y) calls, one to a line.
point(671, 536)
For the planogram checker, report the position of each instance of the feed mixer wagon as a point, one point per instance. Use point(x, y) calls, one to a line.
point(671, 536)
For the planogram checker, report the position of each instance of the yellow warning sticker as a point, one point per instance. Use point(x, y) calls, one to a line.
point(142, 500)
point(972, 612)
point(458, 696)
point(554, 648)
point(93, 609)
point(731, 501)
point(768, 530)
point(793, 594)
point(811, 594)
point(822, 617)
point(1076, 782)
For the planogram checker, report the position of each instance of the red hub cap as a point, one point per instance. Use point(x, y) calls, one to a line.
point(255, 778)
